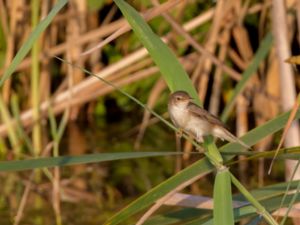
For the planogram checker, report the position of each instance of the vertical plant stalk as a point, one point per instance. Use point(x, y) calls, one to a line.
point(287, 82)
point(285, 131)
point(259, 56)
point(12, 135)
point(57, 133)
point(36, 131)
point(23, 137)
point(223, 208)
point(35, 78)
point(294, 196)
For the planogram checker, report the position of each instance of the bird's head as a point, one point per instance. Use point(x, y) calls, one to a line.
point(180, 99)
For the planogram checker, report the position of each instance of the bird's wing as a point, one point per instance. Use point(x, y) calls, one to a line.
point(205, 115)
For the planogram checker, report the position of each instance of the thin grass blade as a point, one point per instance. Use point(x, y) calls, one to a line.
point(260, 55)
point(37, 163)
point(171, 69)
point(200, 167)
point(31, 40)
point(270, 196)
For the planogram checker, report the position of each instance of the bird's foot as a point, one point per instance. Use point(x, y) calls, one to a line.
point(200, 149)
point(179, 133)
point(199, 139)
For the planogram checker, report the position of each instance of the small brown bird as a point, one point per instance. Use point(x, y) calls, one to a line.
point(195, 120)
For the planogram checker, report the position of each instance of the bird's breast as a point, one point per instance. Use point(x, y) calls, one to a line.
point(179, 116)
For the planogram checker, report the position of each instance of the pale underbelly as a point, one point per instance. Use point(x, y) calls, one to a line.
point(198, 128)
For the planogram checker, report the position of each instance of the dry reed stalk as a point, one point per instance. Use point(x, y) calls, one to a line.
point(263, 18)
point(75, 27)
point(203, 202)
point(77, 146)
point(20, 211)
point(287, 82)
point(236, 59)
point(187, 149)
point(112, 27)
point(269, 98)
point(166, 197)
point(244, 48)
point(56, 195)
point(83, 39)
point(10, 27)
point(242, 41)
point(92, 83)
point(45, 74)
point(95, 57)
point(104, 89)
point(85, 85)
point(182, 30)
point(113, 78)
point(23, 201)
point(298, 17)
point(178, 160)
point(147, 16)
point(74, 195)
point(216, 89)
point(4, 19)
point(7, 121)
point(285, 130)
point(210, 45)
point(59, 106)
point(288, 92)
point(9, 56)
point(154, 95)
point(135, 129)
point(242, 128)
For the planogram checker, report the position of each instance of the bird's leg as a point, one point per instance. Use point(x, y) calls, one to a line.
point(179, 133)
point(199, 139)
point(200, 149)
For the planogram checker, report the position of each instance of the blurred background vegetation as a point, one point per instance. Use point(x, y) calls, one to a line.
point(59, 110)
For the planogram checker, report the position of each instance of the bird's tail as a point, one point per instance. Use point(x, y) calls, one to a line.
point(223, 133)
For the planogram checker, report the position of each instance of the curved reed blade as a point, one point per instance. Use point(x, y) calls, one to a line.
point(223, 208)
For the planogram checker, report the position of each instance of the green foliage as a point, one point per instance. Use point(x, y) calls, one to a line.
point(32, 39)
point(176, 79)
point(99, 108)
point(170, 68)
point(21, 165)
point(157, 49)
point(248, 73)
point(112, 54)
point(270, 196)
point(223, 209)
point(95, 5)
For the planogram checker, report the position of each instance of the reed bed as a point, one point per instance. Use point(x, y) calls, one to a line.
point(69, 61)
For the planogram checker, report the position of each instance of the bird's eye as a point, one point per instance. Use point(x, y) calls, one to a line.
point(178, 98)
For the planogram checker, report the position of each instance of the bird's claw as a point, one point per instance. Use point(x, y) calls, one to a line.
point(200, 149)
point(179, 133)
